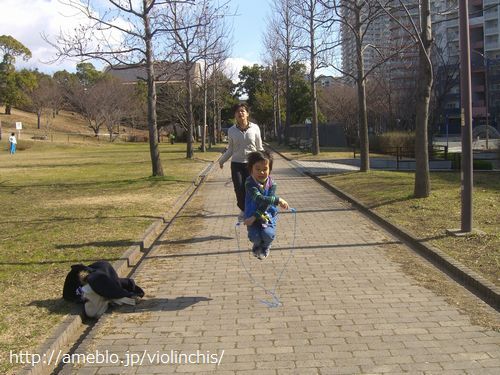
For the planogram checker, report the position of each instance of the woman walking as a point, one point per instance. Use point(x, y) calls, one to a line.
point(243, 138)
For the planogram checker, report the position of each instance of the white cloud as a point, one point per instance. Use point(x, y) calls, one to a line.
point(234, 65)
point(26, 21)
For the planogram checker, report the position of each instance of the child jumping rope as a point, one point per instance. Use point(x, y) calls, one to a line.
point(261, 203)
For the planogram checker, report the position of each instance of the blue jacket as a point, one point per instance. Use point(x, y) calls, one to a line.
point(261, 201)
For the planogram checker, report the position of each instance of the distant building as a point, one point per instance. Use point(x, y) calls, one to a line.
point(329, 81)
point(165, 72)
point(484, 29)
point(375, 37)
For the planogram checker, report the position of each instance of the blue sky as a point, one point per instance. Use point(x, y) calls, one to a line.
point(26, 20)
point(249, 25)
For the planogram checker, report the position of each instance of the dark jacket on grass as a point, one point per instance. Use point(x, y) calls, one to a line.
point(103, 279)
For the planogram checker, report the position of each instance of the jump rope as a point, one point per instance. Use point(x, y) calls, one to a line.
point(275, 301)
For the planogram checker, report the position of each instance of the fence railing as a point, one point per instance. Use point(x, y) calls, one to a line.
point(81, 137)
point(436, 152)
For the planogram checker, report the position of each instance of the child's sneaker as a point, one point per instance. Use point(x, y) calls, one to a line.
point(256, 250)
point(264, 254)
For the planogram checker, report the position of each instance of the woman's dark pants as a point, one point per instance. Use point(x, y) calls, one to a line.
point(239, 174)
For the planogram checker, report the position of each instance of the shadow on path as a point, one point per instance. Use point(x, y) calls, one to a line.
point(274, 249)
point(118, 243)
point(164, 304)
point(61, 307)
point(194, 240)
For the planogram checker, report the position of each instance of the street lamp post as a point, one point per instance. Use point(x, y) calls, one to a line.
point(486, 97)
point(466, 118)
point(486, 92)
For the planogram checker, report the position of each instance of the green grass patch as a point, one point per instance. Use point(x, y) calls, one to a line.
point(64, 204)
point(391, 195)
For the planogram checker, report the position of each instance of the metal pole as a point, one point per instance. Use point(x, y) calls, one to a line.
point(487, 96)
point(446, 119)
point(466, 117)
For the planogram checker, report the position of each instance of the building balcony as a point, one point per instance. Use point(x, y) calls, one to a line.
point(476, 21)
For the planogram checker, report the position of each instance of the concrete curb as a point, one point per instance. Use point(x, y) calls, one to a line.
point(475, 283)
point(67, 332)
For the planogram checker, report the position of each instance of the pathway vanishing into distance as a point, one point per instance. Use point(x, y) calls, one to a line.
point(347, 308)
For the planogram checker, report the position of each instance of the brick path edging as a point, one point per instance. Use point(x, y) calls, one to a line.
point(72, 327)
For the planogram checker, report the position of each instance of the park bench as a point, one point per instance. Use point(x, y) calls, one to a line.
point(306, 145)
point(39, 137)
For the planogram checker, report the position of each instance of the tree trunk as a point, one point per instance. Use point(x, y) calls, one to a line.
point(38, 119)
point(205, 100)
point(154, 150)
point(189, 110)
point(275, 102)
point(288, 104)
point(214, 119)
point(424, 84)
point(279, 131)
point(364, 142)
point(314, 97)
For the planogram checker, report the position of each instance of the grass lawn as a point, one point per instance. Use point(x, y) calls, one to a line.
point(429, 218)
point(390, 195)
point(64, 204)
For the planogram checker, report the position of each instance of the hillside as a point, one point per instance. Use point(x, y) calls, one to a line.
point(64, 123)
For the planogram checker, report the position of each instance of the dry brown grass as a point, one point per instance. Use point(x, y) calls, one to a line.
point(64, 204)
point(64, 123)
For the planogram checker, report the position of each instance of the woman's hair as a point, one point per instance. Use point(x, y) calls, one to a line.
point(256, 156)
point(236, 107)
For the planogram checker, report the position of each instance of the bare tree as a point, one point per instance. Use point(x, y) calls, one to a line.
point(127, 34)
point(338, 104)
point(189, 25)
point(446, 78)
point(272, 59)
point(421, 33)
point(88, 101)
point(357, 18)
point(172, 110)
point(41, 96)
point(216, 44)
point(285, 37)
point(118, 99)
point(222, 95)
point(313, 22)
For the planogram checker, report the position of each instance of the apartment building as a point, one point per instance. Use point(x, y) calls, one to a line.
point(484, 28)
point(374, 42)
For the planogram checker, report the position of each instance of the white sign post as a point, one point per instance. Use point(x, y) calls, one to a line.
point(19, 127)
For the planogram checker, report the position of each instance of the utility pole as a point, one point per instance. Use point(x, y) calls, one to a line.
point(466, 118)
point(487, 96)
point(486, 91)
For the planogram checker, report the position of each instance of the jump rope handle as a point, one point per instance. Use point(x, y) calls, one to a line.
point(292, 210)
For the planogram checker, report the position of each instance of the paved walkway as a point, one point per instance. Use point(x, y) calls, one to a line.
point(346, 307)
